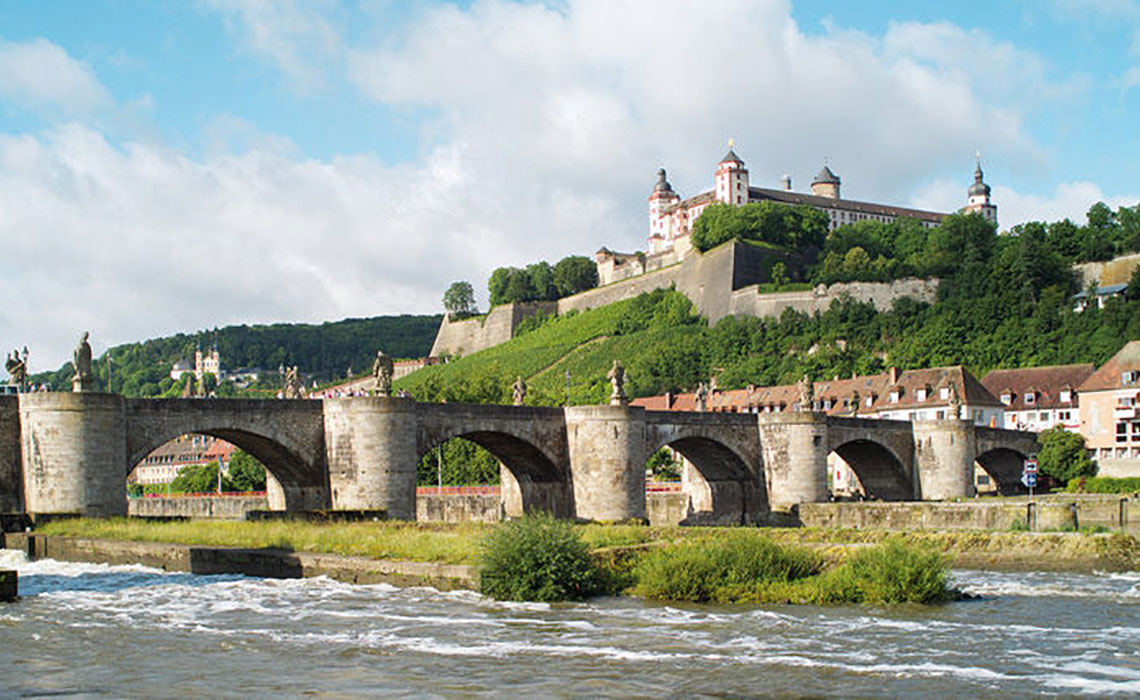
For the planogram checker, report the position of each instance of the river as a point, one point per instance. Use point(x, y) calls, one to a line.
point(93, 631)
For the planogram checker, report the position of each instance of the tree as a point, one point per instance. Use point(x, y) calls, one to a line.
point(459, 300)
point(245, 473)
point(199, 478)
point(1063, 455)
point(574, 274)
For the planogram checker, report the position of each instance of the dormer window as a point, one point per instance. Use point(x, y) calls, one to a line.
point(869, 401)
point(921, 393)
point(895, 393)
point(944, 393)
point(1066, 395)
point(1129, 377)
point(1030, 398)
point(1007, 397)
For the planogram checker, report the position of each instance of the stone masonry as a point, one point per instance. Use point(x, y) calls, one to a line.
point(75, 450)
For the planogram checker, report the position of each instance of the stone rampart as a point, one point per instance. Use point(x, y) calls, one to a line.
point(475, 334)
point(749, 301)
point(1109, 272)
point(221, 507)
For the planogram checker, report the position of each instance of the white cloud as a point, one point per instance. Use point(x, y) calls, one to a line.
point(40, 76)
point(549, 125)
point(296, 36)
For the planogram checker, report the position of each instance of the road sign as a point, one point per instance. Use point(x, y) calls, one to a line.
point(1029, 479)
point(1030, 466)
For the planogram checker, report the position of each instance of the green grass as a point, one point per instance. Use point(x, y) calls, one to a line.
point(450, 544)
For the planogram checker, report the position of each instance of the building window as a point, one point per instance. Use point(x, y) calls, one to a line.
point(1043, 416)
point(1064, 415)
point(1030, 398)
point(1122, 432)
point(1066, 395)
point(894, 396)
point(920, 394)
point(944, 393)
point(1007, 398)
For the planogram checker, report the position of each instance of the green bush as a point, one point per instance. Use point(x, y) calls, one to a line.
point(538, 558)
point(1103, 484)
point(715, 569)
point(1063, 455)
point(894, 572)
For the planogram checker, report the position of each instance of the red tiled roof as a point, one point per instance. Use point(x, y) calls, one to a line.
point(1109, 376)
point(1046, 383)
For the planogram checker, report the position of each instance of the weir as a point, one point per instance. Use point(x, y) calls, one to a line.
point(70, 453)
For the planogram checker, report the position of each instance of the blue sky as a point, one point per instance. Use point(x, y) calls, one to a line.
point(171, 166)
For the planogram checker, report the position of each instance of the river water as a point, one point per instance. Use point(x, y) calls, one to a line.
point(86, 630)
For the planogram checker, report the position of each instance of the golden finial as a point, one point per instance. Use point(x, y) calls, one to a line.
point(730, 143)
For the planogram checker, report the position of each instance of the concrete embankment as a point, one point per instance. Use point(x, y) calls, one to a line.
point(269, 563)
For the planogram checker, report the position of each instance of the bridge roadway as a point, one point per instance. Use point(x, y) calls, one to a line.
point(72, 452)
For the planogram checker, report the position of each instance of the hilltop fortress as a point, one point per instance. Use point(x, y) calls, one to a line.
point(725, 280)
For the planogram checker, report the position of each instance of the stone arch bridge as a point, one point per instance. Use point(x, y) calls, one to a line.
point(72, 452)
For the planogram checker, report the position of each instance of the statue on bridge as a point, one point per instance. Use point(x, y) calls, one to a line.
point(382, 370)
point(702, 396)
point(83, 380)
point(954, 403)
point(807, 393)
point(18, 368)
point(617, 380)
point(293, 387)
point(519, 391)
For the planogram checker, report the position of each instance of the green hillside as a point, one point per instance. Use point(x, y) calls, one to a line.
point(322, 351)
point(1004, 301)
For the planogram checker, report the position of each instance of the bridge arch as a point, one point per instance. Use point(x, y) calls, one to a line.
point(881, 471)
point(529, 442)
point(287, 439)
point(728, 486)
point(1004, 465)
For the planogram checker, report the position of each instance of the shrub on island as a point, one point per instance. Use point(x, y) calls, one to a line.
point(537, 558)
point(745, 567)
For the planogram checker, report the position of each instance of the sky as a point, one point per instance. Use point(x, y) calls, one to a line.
point(175, 166)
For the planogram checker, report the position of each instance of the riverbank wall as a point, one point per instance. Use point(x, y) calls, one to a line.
point(221, 507)
point(267, 563)
point(1058, 512)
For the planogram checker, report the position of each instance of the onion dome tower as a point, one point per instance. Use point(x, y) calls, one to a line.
point(661, 200)
point(979, 195)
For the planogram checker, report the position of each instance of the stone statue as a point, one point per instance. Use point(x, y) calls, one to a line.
point(807, 393)
point(293, 387)
point(617, 380)
point(382, 369)
point(954, 403)
point(702, 396)
point(855, 402)
point(18, 368)
point(519, 390)
point(83, 380)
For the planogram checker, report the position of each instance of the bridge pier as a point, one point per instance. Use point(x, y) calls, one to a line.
point(607, 461)
point(944, 459)
point(74, 447)
point(795, 448)
point(371, 448)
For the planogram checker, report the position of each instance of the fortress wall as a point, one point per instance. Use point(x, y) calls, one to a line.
point(748, 302)
point(475, 334)
point(1115, 271)
point(625, 289)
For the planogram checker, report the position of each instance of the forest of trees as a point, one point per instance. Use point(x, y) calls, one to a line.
point(322, 352)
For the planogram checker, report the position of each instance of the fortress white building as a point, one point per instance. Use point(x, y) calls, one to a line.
point(671, 217)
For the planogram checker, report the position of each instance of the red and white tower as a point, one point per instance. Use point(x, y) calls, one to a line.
point(663, 198)
point(731, 179)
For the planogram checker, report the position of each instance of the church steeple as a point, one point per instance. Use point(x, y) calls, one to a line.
point(978, 196)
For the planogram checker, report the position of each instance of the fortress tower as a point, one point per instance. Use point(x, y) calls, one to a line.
point(731, 179)
point(979, 196)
